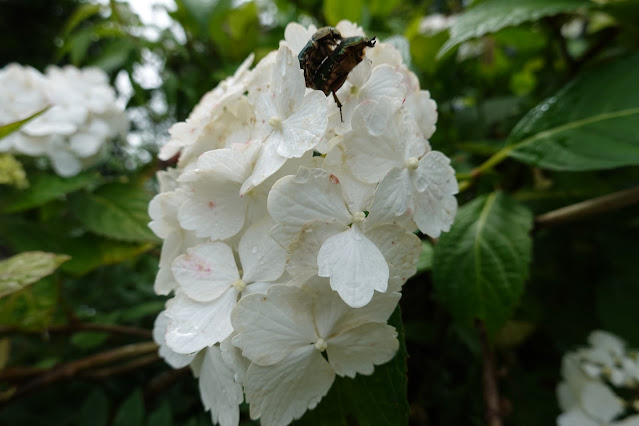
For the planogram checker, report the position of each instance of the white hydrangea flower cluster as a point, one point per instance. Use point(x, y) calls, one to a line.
point(289, 231)
point(82, 114)
point(593, 380)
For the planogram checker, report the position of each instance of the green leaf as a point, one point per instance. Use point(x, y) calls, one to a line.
point(161, 417)
point(480, 266)
point(382, 8)
point(379, 399)
point(131, 412)
point(492, 15)
point(336, 10)
point(115, 210)
point(425, 257)
point(81, 14)
point(23, 269)
point(7, 129)
point(95, 409)
point(87, 251)
point(88, 339)
point(44, 187)
point(32, 308)
point(592, 123)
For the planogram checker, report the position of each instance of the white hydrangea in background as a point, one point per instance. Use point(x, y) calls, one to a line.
point(289, 231)
point(594, 378)
point(81, 118)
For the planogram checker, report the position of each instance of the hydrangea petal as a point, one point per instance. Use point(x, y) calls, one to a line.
point(220, 393)
point(268, 162)
point(171, 357)
point(213, 210)
point(271, 326)
point(195, 325)
point(358, 350)
point(355, 266)
point(234, 164)
point(304, 129)
point(261, 257)
point(393, 198)
point(400, 248)
point(206, 271)
point(282, 392)
point(313, 194)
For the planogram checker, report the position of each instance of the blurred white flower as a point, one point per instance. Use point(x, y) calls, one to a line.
point(82, 116)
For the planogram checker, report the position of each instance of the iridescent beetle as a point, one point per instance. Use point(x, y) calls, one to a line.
point(332, 72)
point(318, 48)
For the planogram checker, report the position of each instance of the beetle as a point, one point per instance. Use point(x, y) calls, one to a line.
point(332, 72)
point(318, 48)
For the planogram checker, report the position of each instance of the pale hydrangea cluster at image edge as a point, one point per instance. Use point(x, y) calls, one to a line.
point(72, 133)
point(593, 377)
point(288, 233)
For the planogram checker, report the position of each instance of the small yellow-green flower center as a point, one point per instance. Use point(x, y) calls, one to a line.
point(412, 163)
point(321, 345)
point(276, 122)
point(358, 217)
point(239, 285)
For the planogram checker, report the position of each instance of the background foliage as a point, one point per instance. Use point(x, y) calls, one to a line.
point(538, 108)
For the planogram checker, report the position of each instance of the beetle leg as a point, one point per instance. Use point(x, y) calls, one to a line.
point(339, 105)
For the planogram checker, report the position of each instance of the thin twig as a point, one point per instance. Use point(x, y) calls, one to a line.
point(72, 368)
point(614, 201)
point(489, 379)
point(134, 364)
point(83, 326)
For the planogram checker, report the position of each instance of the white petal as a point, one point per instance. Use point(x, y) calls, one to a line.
point(393, 198)
point(600, 402)
point(313, 194)
point(172, 358)
point(576, 418)
point(304, 129)
point(288, 82)
point(268, 162)
point(261, 257)
point(360, 349)
point(297, 36)
point(85, 144)
point(64, 162)
point(280, 393)
point(302, 263)
point(355, 265)
point(272, 326)
point(378, 310)
point(234, 164)
point(433, 214)
point(219, 392)
point(206, 271)
point(360, 74)
point(215, 209)
point(194, 325)
point(233, 358)
point(369, 155)
point(434, 170)
point(401, 249)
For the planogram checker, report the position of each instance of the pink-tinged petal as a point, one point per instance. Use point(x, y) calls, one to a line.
point(305, 127)
point(234, 164)
point(280, 393)
point(206, 271)
point(214, 209)
point(220, 393)
point(272, 326)
point(195, 325)
point(355, 266)
point(393, 198)
point(313, 194)
point(172, 358)
point(261, 257)
point(360, 349)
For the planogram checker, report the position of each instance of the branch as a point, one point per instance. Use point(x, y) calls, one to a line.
point(614, 201)
point(134, 364)
point(489, 379)
point(80, 326)
point(72, 368)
